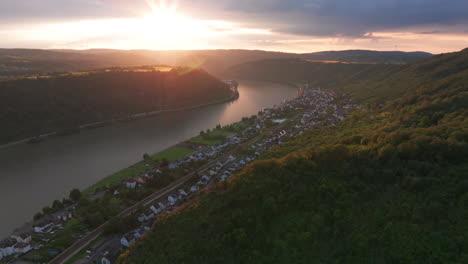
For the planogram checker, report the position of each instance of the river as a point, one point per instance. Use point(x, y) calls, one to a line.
point(32, 176)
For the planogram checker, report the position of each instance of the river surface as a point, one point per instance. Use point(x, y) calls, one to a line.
point(32, 176)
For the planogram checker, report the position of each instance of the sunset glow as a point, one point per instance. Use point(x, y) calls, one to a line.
point(172, 24)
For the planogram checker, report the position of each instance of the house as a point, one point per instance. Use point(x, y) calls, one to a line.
point(146, 216)
point(44, 228)
point(161, 205)
point(194, 188)
point(173, 165)
point(205, 178)
point(131, 184)
point(182, 192)
point(22, 238)
point(128, 239)
point(62, 216)
point(105, 260)
point(22, 248)
point(155, 210)
point(7, 247)
point(172, 200)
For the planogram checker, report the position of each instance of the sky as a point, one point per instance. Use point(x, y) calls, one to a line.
point(301, 26)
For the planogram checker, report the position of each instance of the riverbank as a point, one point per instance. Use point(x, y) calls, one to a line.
point(40, 138)
point(35, 175)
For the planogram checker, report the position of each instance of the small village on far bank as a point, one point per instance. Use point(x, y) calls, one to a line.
point(210, 158)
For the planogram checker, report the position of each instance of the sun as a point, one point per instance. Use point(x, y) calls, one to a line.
point(165, 21)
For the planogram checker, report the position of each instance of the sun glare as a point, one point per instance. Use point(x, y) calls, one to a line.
point(162, 26)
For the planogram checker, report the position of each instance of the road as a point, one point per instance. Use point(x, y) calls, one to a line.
point(86, 240)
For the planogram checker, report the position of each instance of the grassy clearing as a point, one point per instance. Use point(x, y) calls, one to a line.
point(209, 142)
point(218, 136)
point(170, 154)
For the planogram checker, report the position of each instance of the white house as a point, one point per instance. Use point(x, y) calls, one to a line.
point(172, 200)
point(205, 179)
point(104, 260)
point(128, 239)
point(22, 248)
point(44, 229)
point(131, 184)
point(173, 165)
point(155, 210)
point(194, 188)
point(7, 247)
point(146, 216)
point(22, 238)
point(182, 192)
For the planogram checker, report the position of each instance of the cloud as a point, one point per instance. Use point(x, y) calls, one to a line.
point(295, 25)
point(306, 17)
point(337, 17)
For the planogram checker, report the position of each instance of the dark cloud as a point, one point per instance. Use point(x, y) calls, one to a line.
point(342, 17)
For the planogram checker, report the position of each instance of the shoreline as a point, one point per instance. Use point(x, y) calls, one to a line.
point(98, 124)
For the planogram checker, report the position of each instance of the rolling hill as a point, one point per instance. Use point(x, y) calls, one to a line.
point(27, 62)
point(35, 106)
point(388, 185)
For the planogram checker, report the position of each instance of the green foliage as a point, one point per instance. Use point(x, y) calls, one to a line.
point(75, 195)
point(387, 185)
point(32, 107)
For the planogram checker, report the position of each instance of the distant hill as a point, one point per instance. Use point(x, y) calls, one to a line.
point(31, 107)
point(387, 185)
point(364, 82)
point(367, 56)
point(23, 62)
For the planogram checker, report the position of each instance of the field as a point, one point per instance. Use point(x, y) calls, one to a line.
point(217, 136)
point(170, 154)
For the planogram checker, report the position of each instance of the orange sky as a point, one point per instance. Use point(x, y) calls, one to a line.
point(162, 26)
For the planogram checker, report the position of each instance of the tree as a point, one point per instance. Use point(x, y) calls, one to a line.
point(75, 195)
point(47, 210)
point(57, 205)
point(37, 216)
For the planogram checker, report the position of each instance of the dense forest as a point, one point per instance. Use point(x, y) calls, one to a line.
point(31, 107)
point(388, 185)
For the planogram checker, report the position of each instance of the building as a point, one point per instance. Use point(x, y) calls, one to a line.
point(22, 248)
point(131, 184)
point(45, 228)
point(172, 200)
point(7, 247)
point(63, 216)
point(128, 239)
point(22, 238)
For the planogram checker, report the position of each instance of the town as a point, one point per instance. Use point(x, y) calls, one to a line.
point(68, 223)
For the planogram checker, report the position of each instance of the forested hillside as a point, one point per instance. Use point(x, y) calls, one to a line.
point(361, 81)
point(388, 185)
point(30, 107)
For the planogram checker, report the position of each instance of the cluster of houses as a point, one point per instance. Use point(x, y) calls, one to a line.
point(21, 241)
point(15, 244)
point(317, 104)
